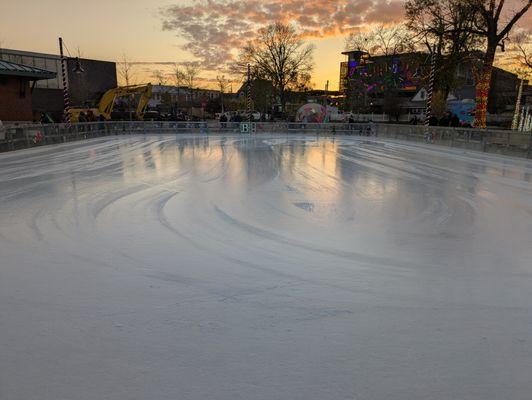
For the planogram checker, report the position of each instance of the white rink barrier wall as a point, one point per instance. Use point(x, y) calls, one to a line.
point(492, 141)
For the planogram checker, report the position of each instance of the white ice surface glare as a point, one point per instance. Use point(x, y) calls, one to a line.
point(261, 268)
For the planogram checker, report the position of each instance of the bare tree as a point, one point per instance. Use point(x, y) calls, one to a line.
point(191, 72)
point(179, 79)
point(278, 54)
point(492, 25)
point(222, 85)
point(523, 46)
point(304, 83)
point(382, 41)
point(178, 76)
point(187, 76)
point(160, 77)
point(444, 27)
point(125, 71)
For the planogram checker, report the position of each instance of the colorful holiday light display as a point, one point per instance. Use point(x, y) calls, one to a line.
point(482, 93)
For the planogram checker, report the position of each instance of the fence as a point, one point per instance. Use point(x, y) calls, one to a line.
point(486, 140)
point(494, 141)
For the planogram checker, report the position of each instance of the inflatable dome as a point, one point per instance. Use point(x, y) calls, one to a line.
point(312, 112)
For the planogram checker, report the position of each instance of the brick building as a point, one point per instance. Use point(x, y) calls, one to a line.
point(398, 83)
point(85, 89)
point(17, 83)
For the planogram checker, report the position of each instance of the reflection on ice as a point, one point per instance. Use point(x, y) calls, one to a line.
point(263, 267)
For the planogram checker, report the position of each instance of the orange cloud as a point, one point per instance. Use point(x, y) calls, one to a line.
point(214, 30)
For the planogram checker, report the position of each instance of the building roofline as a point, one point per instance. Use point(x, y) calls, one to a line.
point(44, 55)
point(354, 51)
point(8, 68)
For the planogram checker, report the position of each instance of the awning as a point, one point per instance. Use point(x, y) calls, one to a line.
point(8, 68)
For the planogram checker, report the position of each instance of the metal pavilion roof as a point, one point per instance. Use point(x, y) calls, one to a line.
point(8, 68)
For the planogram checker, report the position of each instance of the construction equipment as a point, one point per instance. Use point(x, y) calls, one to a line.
point(108, 101)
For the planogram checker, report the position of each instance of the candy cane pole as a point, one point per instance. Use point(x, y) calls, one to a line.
point(524, 118)
point(517, 113)
point(431, 87)
point(250, 117)
point(66, 97)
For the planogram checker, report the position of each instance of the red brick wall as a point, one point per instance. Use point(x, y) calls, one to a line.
point(15, 99)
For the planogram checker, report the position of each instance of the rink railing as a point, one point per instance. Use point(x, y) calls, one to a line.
point(498, 141)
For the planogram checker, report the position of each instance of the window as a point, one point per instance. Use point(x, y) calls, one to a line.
point(22, 88)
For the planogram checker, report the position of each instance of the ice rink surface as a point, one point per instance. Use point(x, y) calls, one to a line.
point(267, 267)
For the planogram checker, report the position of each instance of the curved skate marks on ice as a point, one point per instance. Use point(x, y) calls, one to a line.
point(306, 206)
point(159, 206)
point(110, 199)
point(274, 237)
point(34, 226)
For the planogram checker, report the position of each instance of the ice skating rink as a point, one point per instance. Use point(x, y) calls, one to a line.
point(261, 268)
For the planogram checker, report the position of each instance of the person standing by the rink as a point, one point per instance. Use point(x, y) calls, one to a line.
point(2, 130)
point(372, 129)
point(223, 120)
point(351, 123)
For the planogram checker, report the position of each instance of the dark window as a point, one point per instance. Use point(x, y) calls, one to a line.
point(22, 84)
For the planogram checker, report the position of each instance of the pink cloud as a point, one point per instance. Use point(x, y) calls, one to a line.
point(215, 29)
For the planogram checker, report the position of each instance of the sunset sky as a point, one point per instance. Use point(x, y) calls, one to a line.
point(156, 33)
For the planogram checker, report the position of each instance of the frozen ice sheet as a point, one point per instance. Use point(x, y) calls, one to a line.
point(267, 267)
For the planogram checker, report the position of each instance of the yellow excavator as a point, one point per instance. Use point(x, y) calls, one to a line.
point(108, 100)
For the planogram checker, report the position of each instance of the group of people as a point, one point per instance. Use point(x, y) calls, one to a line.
point(89, 117)
point(233, 118)
point(449, 119)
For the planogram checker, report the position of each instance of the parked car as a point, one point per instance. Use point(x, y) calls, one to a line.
point(152, 116)
point(338, 116)
point(244, 114)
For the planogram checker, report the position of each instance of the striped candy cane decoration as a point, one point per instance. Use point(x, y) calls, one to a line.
point(66, 97)
point(249, 100)
point(431, 87)
point(517, 113)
